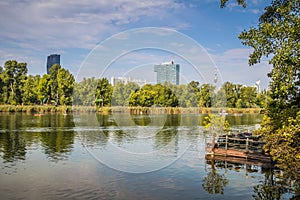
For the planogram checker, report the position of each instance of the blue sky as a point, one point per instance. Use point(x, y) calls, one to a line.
point(33, 29)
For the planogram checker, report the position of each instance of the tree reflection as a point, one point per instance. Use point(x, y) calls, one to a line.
point(269, 189)
point(274, 185)
point(57, 143)
point(13, 146)
point(213, 182)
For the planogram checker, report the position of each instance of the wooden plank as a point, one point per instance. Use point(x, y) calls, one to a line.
point(240, 154)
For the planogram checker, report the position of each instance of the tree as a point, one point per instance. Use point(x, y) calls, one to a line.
point(103, 93)
point(44, 89)
point(13, 77)
point(53, 71)
point(29, 91)
point(240, 2)
point(84, 92)
point(206, 95)
point(278, 36)
point(65, 85)
point(121, 93)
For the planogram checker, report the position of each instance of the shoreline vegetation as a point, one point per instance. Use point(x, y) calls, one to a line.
point(35, 109)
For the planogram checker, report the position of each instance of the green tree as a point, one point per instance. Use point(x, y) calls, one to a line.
point(13, 77)
point(53, 71)
point(278, 36)
point(65, 85)
point(1, 86)
point(103, 93)
point(206, 95)
point(240, 2)
point(44, 89)
point(29, 90)
point(84, 92)
point(248, 96)
point(121, 93)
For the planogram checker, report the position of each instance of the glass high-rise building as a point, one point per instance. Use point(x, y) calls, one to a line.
point(167, 72)
point(51, 60)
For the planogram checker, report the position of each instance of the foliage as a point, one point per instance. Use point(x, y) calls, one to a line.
point(122, 92)
point(12, 80)
point(277, 36)
point(284, 146)
point(216, 124)
point(59, 88)
point(84, 92)
point(240, 2)
point(103, 93)
point(65, 85)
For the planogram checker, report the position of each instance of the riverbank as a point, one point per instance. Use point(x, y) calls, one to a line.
point(131, 110)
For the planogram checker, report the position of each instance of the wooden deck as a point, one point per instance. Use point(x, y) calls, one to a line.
point(241, 157)
point(239, 150)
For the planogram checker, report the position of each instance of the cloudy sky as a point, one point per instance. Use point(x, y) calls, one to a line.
point(33, 29)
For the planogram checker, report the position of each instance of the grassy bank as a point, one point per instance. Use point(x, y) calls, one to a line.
point(131, 110)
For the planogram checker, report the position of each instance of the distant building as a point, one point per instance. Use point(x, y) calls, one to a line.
point(51, 60)
point(167, 72)
point(125, 80)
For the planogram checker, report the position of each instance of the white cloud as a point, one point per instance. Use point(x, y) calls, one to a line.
point(233, 66)
point(68, 24)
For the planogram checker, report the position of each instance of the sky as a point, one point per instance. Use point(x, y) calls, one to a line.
point(146, 32)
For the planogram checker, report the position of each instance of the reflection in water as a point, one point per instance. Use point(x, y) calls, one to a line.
point(22, 132)
point(271, 187)
point(50, 148)
point(213, 182)
point(13, 146)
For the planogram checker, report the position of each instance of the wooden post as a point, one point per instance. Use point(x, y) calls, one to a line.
point(226, 142)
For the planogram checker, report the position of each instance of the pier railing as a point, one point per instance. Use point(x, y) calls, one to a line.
point(252, 145)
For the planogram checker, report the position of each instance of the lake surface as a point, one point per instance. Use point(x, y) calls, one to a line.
point(119, 156)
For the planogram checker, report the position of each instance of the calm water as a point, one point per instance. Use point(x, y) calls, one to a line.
point(120, 157)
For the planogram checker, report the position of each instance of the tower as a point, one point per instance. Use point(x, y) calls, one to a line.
point(167, 72)
point(51, 60)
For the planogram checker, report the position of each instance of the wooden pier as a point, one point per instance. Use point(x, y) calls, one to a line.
point(243, 149)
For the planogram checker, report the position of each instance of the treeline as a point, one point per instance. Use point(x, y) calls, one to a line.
point(92, 91)
point(19, 88)
point(59, 88)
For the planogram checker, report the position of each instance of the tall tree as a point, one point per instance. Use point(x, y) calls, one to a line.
point(84, 92)
point(44, 89)
point(278, 36)
point(103, 93)
point(206, 95)
point(29, 90)
point(65, 85)
point(13, 77)
point(53, 71)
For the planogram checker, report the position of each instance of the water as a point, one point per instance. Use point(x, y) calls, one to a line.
point(121, 157)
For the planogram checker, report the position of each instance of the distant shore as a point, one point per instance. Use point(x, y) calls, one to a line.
point(131, 110)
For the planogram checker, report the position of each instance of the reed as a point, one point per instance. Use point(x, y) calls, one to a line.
point(131, 110)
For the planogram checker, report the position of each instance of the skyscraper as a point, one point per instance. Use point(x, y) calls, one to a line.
point(167, 72)
point(51, 60)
